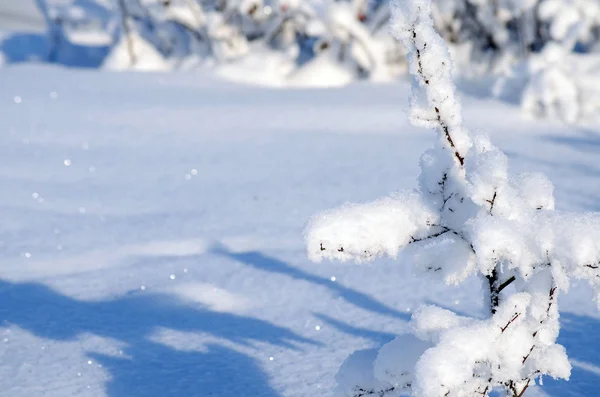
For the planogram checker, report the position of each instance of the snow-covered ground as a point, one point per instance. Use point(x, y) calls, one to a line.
point(21, 15)
point(151, 232)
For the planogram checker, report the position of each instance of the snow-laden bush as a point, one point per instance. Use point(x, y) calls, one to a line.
point(168, 34)
point(493, 33)
point(349, 42)
point(542, 53)
point(572, 23)
point(469, 217)
point(563, 85)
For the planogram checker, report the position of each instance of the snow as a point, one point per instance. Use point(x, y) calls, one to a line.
point(561, 86)
point(242, 319)
point(145, 57)
point(23, 15)
point(321, 72)
point(264, 67)
point(365, 231)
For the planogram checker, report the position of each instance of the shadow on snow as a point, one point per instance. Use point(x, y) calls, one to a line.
point(266, 263)
point(377, 337)
point(579, 335)
point(151, 368)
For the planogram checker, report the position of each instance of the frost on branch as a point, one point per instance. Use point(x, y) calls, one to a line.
point(365, 231)
point(470, 217)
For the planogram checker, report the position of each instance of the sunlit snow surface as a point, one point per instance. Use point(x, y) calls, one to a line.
point(151, 232)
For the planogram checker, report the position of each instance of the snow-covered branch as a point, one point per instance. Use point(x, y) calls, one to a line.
point(366, 231)
point(432, 69)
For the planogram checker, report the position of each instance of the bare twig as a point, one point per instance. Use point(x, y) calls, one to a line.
point(492, 201)
point(369, 392)
point(510, 322)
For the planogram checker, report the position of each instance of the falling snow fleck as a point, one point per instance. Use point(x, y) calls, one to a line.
point(82, 210)
point(143, 288)
point(271, 359)
point(27, 255)
point(5, 340)
point(172, 277)
point(318, 327)
point(67, 162)
point(194, 171)
point(332, 278)
point(53, 95)
point(78, 373)
point(185, 270)
point(18, 99)
point(35, 195)
point(188, 177)
point(456, 302)
point(90, 362)
point(59, 247)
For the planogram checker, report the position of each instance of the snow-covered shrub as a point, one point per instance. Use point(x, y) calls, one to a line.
point(294, 28)
point(511, 41)
point(356, 40)
point(532, 46)
point(561, 81)
point(469, 217)
point(79, 33)
point(491, 34)
point(575, 24)
point(515, 28)
point(563, 85)
point(349, 42)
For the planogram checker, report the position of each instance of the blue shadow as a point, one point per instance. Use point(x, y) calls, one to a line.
point(266, 263)
point(586, 140)
point(378, 337)
point(25, 47)
point(31, 47)
point(158, 370)
point(151, 369)
point(580, 336)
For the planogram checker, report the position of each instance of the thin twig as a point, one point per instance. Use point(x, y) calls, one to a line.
point(510, 322)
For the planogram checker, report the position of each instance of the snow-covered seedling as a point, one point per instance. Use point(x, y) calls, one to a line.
point(468, 217)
